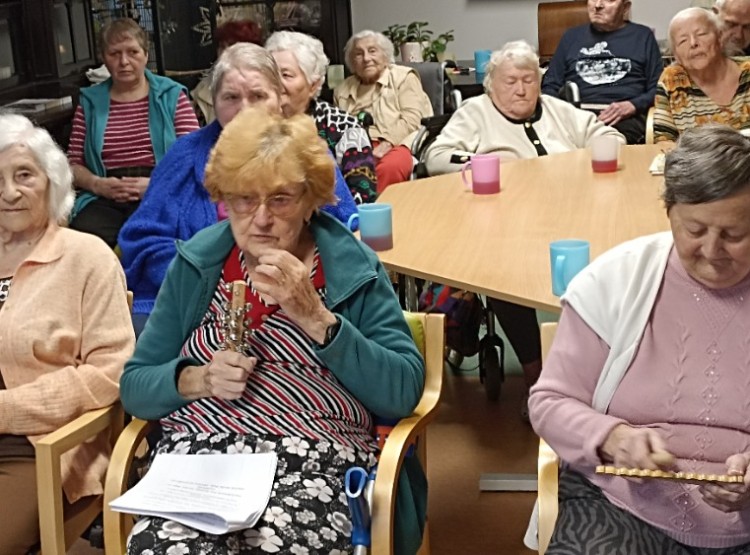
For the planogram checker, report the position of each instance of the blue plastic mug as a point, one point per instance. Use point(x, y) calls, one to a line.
point(481, 57)
point(375, 225)
point(567, 258)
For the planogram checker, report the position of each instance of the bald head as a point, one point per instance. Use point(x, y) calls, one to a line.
point(735, 17)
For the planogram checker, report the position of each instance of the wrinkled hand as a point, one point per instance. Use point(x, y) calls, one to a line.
point(285, 279)
point(630, 447)
point(730, 497)
point(120, 189)
point(616, 112)
point(226, 375)
point(382, 149)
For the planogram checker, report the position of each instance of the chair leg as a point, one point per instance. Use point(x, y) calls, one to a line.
point(424, 549)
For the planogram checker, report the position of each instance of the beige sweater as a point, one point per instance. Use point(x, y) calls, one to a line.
point(397, 104)
point(65, 334)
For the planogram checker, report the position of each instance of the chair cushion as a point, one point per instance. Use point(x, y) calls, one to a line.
point(417, 329)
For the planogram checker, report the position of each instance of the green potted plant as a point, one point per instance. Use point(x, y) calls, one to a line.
point(435, 51)
point(414, 41)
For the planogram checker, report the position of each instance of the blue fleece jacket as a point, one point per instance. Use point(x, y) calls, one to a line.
point(176, 206)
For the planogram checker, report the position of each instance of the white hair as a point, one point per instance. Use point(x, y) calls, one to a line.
point(710, 17)
point(18, 130)
point(250, 57)
point(307, 50)
point(519, 52)
point(383, 42)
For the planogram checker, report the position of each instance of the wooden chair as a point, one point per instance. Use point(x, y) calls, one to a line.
point(650, 126)
point(428, 333)
point(59, 529)
point(553, 19)
point(548, 466)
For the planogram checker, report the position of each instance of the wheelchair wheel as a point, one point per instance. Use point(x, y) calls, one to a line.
point(492, 372)
point(454, 360)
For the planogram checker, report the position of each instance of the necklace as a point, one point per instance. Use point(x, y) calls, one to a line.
point(4, 289)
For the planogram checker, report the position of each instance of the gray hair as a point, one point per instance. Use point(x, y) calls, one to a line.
point(519, 52)
point(249, 57)
point(383, 42)
point(710, 162)
point(711, 18)
point(18, 130)
point(308, 51)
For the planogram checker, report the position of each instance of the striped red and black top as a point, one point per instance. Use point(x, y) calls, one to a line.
point(127, 140)
point(290, 392)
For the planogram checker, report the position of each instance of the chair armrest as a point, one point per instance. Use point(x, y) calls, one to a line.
point(49, 451)
point(403, 435)
point(548, 471)
point(650, 126)
point(116, 525)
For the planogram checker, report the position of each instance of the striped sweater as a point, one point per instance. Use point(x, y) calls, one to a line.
point(681, 104)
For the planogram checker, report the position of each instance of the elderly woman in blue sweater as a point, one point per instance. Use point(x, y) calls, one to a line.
point(176, 204)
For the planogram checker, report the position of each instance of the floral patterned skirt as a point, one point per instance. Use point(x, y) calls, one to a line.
point(307, 512)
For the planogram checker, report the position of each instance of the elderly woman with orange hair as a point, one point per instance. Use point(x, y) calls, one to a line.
point(315, 295)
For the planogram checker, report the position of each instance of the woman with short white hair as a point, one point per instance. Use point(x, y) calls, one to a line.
point(704, 85)
point(65, 328)
point(392, 94)
point(513, 119)
point(303, 63)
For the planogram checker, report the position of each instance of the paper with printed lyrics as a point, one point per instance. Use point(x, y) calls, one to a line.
point(214, 493)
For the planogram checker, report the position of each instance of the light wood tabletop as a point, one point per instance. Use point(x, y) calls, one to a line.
point(498, 245)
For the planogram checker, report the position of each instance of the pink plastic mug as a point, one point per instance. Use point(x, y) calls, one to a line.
point(485, 174)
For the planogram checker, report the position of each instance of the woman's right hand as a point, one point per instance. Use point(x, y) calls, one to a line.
point(630, 447)
point(119, 190)
point(224, 377)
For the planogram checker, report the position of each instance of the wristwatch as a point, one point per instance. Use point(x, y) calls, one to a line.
point(331, 332)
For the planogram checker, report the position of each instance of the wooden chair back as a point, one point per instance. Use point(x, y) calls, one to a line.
point(553, 19)
point(429, 334)
point(548, 466)
point(61, 526)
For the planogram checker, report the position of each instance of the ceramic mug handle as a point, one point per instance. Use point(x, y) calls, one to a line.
point(465, 167)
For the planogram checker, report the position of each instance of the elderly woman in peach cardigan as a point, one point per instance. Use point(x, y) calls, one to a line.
point(65, 329)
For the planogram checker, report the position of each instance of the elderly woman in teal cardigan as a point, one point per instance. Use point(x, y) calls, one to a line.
point(122, 128)
point(326, 347)
point(177, 205)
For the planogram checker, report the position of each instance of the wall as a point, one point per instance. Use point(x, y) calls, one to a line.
point(487, 23)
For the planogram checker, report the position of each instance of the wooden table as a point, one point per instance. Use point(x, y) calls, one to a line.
point(498, 245)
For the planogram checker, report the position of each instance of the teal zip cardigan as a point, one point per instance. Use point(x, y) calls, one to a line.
point(163, 94)
point(372, 355)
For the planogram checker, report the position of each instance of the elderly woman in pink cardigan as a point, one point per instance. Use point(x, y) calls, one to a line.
point(650, 369)
point(65, 330)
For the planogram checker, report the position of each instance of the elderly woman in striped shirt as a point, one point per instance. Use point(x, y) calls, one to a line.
point(121, 129)
point(328, 346)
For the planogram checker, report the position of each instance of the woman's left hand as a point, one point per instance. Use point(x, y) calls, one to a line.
point(283, 277)
point(730, 497)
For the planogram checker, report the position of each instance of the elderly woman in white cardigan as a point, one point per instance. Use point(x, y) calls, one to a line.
point(513, 118)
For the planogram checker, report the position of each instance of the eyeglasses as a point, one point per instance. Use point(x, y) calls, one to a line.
point(281, 205)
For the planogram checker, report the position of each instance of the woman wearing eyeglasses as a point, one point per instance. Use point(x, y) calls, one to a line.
point(328, 346)
point(177, 205)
